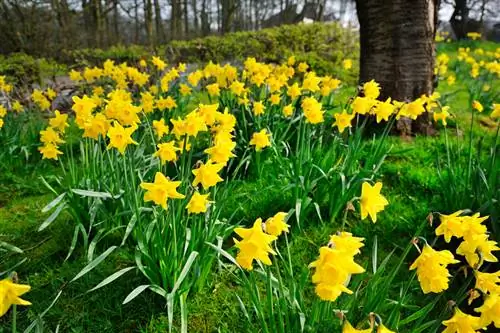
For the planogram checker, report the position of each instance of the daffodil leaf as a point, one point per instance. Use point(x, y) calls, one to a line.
point(52, 217)
point(136, 292)
point(10, 247)
point(184, 272)
point(93, 194)
point(53, 203)
point(94, 263)
point(112, 277)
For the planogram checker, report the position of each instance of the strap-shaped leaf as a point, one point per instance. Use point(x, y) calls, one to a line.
point(112, 277)
point(135, 293)
point(94, 263)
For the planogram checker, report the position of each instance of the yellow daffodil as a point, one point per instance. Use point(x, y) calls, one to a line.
point(161, 190)
point(207, 174)
point(260, 140)
point(477, 106)
point(347, 328)
point(198, 203)
point(50, 151)
point(462, 323)
point(312, 110)
point(451, 225)
point(167, 152)
point(276, 225)
point(343, 120)
point(120, 137)
point(254, 245)
point(160, 128)
point(431, 269)
point(490, 311)
point(371, 201)
point(371, 89)
point(10, 293)
point(488, 282)
point(347, 64)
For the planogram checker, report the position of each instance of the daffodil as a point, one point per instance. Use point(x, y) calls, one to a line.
point(490, 311)
point(451, 226)
point(431, 269)
point(488, 282)
point(258, 108)
point(161, 190)
point(260, 140)
point(477, 106)
point(167, 152)
point(362, 105)
point(10, 293)
point(347, 328)
point(371, 89)
point(276, 225)
point(207, 174)
point(50, 151)
point(120, 137)
point(343, 120)
point(371, 201)
point(462, 323)
point(347, 64)
point(59, 122)
point(312, 110)
point(198, 203)
point(255, 244)
point(160, 128)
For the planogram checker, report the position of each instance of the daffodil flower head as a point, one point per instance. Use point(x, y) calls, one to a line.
point(254, 245)
point(371, 201)
point(10, 293)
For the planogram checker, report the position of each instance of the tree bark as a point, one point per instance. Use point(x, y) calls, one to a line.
point(148, 21)
point(460, 18)
point(160, 36)
point(175, 20)
point(397, 49)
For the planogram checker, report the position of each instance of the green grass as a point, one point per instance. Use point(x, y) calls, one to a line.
point(411, 185)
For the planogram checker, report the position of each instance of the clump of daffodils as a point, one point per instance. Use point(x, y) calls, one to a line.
point(336, 265)
point(477, 248)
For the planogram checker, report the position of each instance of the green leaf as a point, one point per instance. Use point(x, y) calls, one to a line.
point(52, 217)
point(36, 321)
point(53, 203)
point(135, 293)
point(130, 227)
point(10, 247)
point(94, 263)
point(184, 272)
point(93, 194)
point(112, 277)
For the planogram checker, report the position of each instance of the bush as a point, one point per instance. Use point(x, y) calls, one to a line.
point(25, 70)
point(323, 46)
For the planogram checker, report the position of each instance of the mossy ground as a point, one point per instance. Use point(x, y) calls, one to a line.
point(410, 184)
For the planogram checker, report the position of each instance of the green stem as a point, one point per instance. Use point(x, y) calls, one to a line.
point(14, 318)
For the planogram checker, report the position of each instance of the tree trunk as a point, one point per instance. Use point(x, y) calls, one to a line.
point(186, 19)
point(397, 50)
point(148, 21)
point(194, 8)
point(158, 23)
point(459, 19)
point(175, 20)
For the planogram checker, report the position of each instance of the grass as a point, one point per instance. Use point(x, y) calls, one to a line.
point(410, 182)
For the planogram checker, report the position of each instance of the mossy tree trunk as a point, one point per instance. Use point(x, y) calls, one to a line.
point(397, 50)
